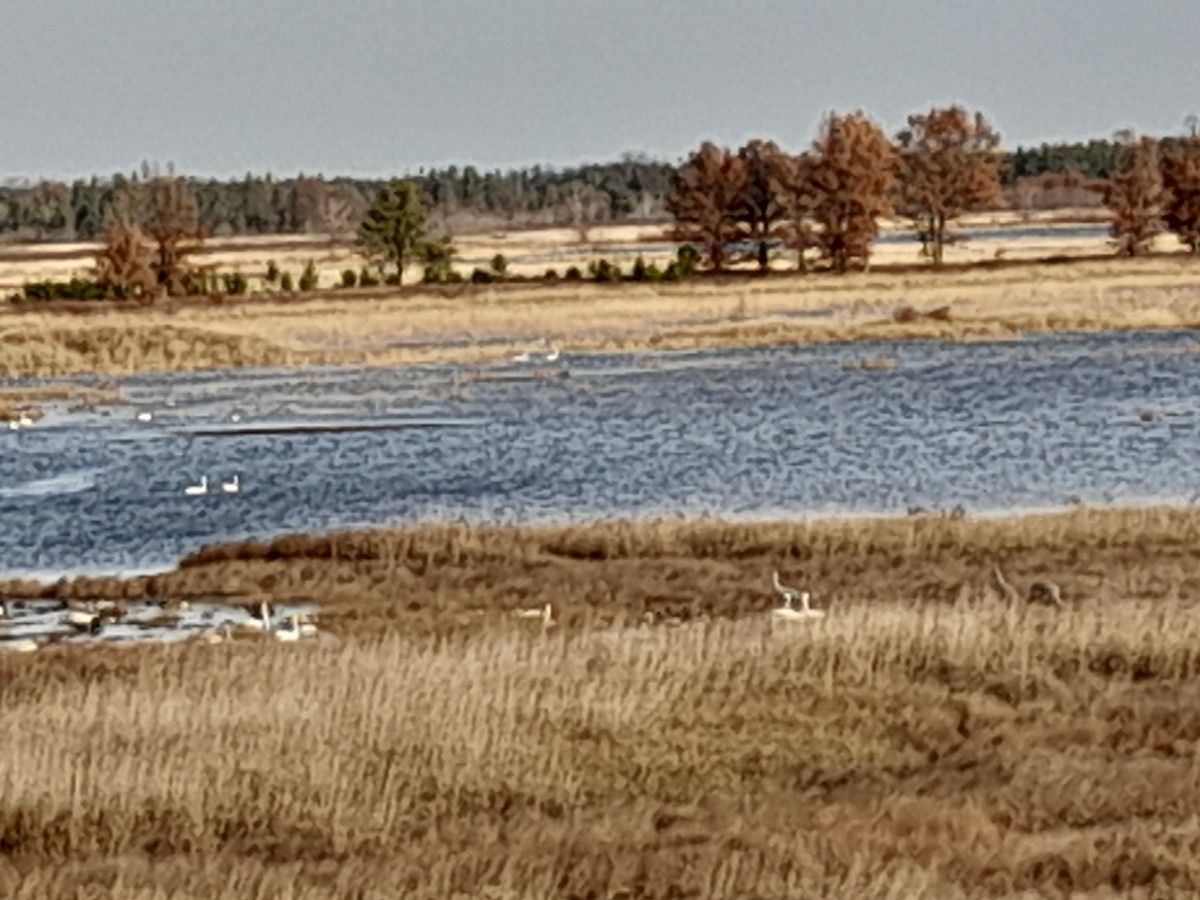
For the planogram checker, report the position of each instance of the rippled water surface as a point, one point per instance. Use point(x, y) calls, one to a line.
point(791, 431)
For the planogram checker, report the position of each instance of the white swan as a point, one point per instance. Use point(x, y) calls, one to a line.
point(293, 632)
point(260, 618)
point(787, 593)
point(789, 614)
point(548, 353)
point(197, 490)
point(544, 612)
point(791, 595)
point(232, 486)
point(145, 417)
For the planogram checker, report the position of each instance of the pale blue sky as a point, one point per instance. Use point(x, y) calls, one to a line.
point(382, 86)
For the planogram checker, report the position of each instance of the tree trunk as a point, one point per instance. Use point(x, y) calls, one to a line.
point(939, 239)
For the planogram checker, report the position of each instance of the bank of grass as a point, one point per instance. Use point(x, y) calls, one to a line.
point(472, 324)
point(925, 739)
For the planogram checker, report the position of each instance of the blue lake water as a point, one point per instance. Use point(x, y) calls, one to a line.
point(781, 432)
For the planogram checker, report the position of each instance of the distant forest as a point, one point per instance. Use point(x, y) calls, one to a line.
point(635, 188)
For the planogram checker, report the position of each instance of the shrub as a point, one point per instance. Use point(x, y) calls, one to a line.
point(687, 259)
point(349, 278)
point(639, 269)
point(550, 275)
point(272, 275)
point(603, 270)
point(75, 289)
point(234, 283)
point(285, 282)
point(367, 278)
point(573, 274)
point(482, 276)
point(500, 266)
point(309, 278)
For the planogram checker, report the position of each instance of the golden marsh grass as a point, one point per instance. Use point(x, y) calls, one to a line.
point(926, 738)
point(474, 324)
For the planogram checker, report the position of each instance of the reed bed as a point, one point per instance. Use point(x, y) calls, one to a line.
point(926, 738)
point(970, 750)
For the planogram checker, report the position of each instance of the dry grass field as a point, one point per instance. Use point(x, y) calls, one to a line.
point(927, 738)
point(475, 324)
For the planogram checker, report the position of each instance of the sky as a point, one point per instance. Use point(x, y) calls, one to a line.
point(384, 87)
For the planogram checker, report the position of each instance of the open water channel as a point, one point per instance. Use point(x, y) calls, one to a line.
point(1038, 423)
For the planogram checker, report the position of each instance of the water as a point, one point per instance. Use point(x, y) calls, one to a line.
point(781, 432)
point(47, 622)
point(586, 253)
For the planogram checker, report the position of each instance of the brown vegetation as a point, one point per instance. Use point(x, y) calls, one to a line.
point(1134, 195)
point(949, 166)
point(849, 183)
point(927, 738)
point(706, 198)
point(996, 300)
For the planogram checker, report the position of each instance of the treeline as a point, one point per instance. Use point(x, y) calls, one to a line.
point(743, 205)
point(634, 188)
point(461, 199)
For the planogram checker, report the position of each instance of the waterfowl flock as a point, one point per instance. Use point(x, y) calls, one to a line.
point(27, 625)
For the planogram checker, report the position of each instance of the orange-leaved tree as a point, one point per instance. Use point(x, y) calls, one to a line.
point(1134, 195)
point(948, 166)
point(1180, 164)
point(848, 186)
point(705, 200)
point(764, 203)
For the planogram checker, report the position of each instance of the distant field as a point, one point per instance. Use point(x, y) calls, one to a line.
point(532, 251)
point(927, 738)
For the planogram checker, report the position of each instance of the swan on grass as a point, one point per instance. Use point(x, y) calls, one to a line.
point(260, 617)
point(545, 612)
point(790, 595)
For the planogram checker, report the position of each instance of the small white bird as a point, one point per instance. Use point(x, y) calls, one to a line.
point(544, 612)
point(197, 490)
point(232, 486)
point(145, 417)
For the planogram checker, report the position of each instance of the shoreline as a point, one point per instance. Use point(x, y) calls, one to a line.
point(445, 578)
point(818, 521)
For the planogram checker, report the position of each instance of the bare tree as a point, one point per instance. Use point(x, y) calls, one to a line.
point(126, 262)
point(764, 203)
point(705, 198)
point(848, 187)
point(164, 208)
point(1181, 186)
point(1135, 195)
point(948, 166)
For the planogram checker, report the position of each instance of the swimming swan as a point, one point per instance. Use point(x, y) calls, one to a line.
point(197, 490)
point(232, 486)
